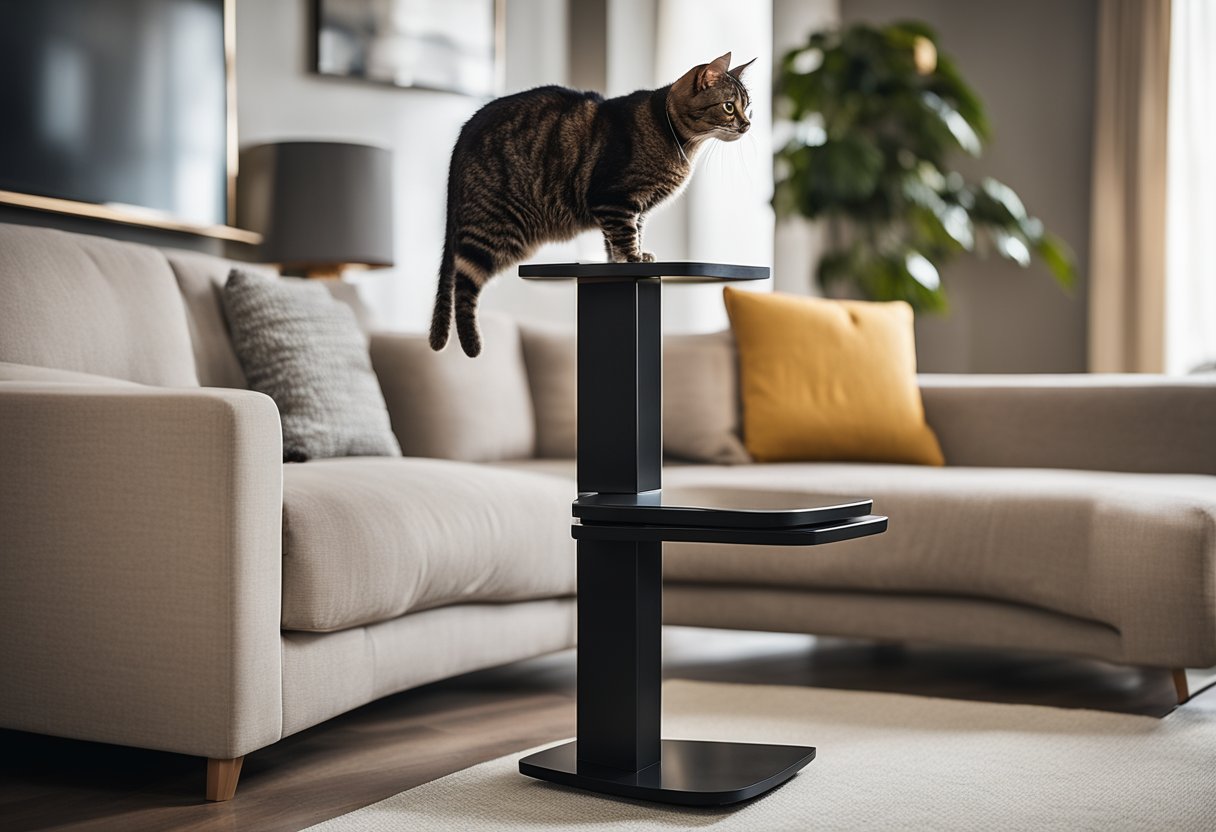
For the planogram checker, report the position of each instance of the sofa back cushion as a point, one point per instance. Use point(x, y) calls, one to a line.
point(446, 405)
point(201, 279)
point(48, 375)
point(701, 420)
point(92, 305)
point(702, 416)
point(551, 357)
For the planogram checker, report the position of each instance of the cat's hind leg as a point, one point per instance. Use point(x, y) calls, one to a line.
point(481, 253)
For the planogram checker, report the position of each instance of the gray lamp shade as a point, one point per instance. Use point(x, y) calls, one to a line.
point(318, 204)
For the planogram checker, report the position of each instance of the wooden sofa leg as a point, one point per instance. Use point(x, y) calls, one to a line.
point(222, 776)
point(1180, 686)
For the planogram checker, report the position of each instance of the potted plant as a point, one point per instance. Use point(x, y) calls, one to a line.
point(876, 114)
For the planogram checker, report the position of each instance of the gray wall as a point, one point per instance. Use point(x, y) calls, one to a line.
point(1032, 63)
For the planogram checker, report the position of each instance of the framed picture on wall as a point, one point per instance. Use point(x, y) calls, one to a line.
point(448, 45)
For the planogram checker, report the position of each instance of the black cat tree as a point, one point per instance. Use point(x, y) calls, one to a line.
point(621, 522)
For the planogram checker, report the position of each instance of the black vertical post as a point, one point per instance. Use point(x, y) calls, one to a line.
point(620, 585)
point(620, 612)
point(620, 386)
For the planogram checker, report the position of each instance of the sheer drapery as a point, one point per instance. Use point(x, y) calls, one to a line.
point(1191, 201)
point(1127, 244)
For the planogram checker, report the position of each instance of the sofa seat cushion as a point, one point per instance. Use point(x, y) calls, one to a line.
point(368, 539)
point(1091, 544)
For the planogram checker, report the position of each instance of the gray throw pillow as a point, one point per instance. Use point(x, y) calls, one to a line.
point(305, 350)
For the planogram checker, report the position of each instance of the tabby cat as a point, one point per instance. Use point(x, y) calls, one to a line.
point(546, 164)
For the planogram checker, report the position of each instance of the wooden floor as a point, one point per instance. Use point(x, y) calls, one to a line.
point(408, 739)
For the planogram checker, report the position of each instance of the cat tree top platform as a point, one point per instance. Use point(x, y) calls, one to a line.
point(681, 271)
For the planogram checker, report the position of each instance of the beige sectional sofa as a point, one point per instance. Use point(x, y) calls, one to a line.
point(166, 582)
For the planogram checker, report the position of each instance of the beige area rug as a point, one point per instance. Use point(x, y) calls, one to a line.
point(885, 762)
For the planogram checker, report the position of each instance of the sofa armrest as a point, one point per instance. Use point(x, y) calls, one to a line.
point(1136, 423)
point(140, 564)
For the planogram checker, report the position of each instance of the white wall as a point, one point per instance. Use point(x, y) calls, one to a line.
point(279, 98)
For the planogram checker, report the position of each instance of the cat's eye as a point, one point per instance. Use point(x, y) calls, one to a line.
point(729, 106)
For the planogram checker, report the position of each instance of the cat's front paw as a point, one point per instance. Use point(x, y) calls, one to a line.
point(640, 257)
point(647, 257)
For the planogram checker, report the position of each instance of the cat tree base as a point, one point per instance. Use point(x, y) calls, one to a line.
point(688, 773)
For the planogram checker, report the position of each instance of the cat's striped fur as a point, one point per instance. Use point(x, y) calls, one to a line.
point(546, 164)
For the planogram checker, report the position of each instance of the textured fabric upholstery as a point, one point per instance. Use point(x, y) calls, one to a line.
point(551, 357)
point(92, 305)
point(1137, 423)
point(892, 616)
point(1133, 551)
point(304, 349)
point(449, 406)
point(25, 372)
point(701, 417)
point(141, 554)
point(201, 278)
point(326, 674)
point(367, 540)
point(701, 412)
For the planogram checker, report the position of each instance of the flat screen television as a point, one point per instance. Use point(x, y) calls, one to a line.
point(122, 103)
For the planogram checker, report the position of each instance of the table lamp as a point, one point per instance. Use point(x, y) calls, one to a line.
point(321, 207)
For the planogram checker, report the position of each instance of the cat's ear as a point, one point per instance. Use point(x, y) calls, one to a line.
point(713, 72)
point(737, 72)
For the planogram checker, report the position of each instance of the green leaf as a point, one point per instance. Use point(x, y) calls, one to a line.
point(1011, 246)
point(1005, 197)
point(881, 277)
point(962, 132)
point(949, 84)
point(1058, 258)
point(835, 173)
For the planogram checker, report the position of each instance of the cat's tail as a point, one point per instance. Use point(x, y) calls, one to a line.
point(441, 318)
point(460, 282)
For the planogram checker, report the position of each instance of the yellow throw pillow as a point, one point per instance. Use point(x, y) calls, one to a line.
point(829, 380)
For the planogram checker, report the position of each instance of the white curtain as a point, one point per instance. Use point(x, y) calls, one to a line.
point(1127, 229)
point(1191, 188)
